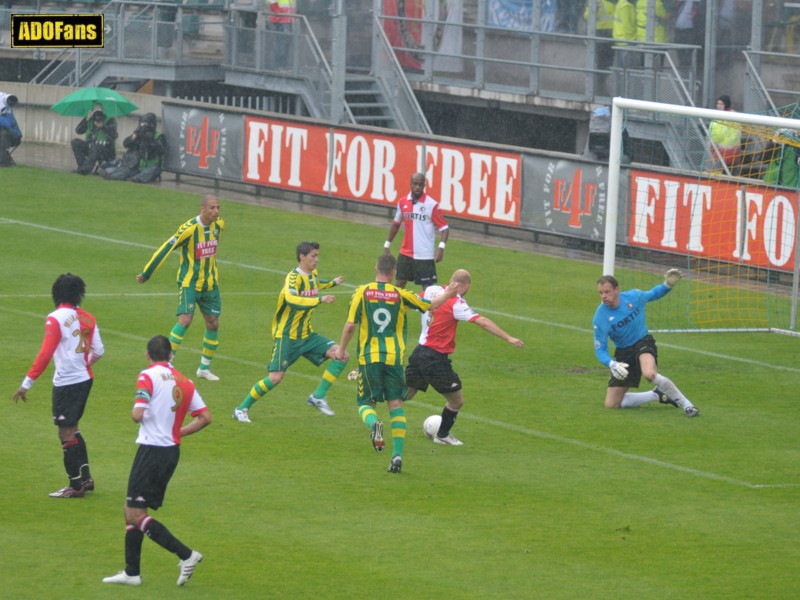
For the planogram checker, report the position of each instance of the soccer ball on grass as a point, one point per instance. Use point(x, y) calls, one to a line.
point(431, 425)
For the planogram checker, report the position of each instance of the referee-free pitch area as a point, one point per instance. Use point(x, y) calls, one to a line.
point(551, 495)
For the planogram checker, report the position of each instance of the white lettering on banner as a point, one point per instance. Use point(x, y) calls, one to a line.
point(205, 249)
point(451, 173)
point(671, 213)
point(259, 134)
point(479, 204)
point(778, 230)
point(750, 223)
point(483, 168)
point(504, 208)
point(644, 207)
point(698, 198)
point(364, 164)
point(720, 220)
point(648, 192)
point(358, 166)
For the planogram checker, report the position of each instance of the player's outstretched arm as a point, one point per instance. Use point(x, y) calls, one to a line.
point(495, 329)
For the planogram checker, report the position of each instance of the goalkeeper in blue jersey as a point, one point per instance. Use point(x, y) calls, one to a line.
point(621, 318)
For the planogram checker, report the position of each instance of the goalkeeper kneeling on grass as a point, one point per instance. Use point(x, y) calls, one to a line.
point(621, 319)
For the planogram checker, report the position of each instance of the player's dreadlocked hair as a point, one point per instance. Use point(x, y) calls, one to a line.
point(68, 289)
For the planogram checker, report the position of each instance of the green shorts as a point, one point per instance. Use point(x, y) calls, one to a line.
point(286, 351)
point(378, 382)
point(209, 302)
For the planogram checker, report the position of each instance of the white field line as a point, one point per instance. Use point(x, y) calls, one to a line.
point(501, 424)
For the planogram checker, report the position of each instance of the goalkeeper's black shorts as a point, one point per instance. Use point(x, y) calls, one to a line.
point(630, 355)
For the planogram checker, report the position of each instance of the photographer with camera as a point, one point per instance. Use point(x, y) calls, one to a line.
point(10, 134)
point(98, 145)
point(144, 154)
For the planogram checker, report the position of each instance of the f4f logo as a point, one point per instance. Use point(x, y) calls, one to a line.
point(574, 198)
point(203, 142)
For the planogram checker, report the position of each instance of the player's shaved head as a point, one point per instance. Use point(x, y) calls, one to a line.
point(461, 276)
point(206, 198)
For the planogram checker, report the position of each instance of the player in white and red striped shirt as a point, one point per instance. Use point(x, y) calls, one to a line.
point(422, 218)
point(72, 338)
point(430, 363)
point(164, 397)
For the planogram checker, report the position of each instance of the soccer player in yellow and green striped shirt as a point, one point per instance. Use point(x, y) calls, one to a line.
point(294, 336)
point(198, 280)
point(377, 314)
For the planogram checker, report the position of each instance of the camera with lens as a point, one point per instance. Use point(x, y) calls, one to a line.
point(144, 129)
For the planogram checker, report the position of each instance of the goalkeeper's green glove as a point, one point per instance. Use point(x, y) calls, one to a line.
point(672, 277)
point(619, 370)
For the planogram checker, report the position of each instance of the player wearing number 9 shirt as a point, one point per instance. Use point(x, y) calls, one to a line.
point(378, 314)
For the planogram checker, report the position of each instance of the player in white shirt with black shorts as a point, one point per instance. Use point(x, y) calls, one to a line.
point(422, 218)
point(163, 398)
point(72, 339)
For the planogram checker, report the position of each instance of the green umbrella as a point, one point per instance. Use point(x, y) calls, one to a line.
point(80, 102)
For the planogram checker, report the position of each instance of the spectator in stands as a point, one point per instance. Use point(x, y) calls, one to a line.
point(10, 134)
point(780, 163)
point(144, 154)
point(568, 11)
point(604, 27)
point(281, 21)
point(624, 32)
point(98, 145)
point(659, 30)
point(727, 138)
point(689, 28)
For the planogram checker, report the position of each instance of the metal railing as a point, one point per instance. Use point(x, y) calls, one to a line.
point(160, 33)
point(394, 85)
point(293, 55)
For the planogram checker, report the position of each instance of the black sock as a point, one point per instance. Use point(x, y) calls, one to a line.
point(448, 420)
point(162, 536)
point(84, 457)
point(72, 462)
point(133, 550)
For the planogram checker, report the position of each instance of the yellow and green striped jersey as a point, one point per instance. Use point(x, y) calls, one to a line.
point(297, 300)
point(198, 244)
point(379, 311)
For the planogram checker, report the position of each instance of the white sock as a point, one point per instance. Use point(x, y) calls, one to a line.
point(670, 389)
point(632, 399)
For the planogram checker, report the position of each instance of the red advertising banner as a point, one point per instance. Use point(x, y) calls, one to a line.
point(474, 183)
point(751, 225)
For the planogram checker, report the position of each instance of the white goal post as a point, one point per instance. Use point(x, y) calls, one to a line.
point(748, 199)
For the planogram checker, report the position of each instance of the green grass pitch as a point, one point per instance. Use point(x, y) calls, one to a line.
point(550, 497)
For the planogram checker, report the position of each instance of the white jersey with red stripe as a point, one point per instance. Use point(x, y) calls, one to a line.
point(439, 326)
point(166, 395)
point(70, 335)
point(420, 220)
